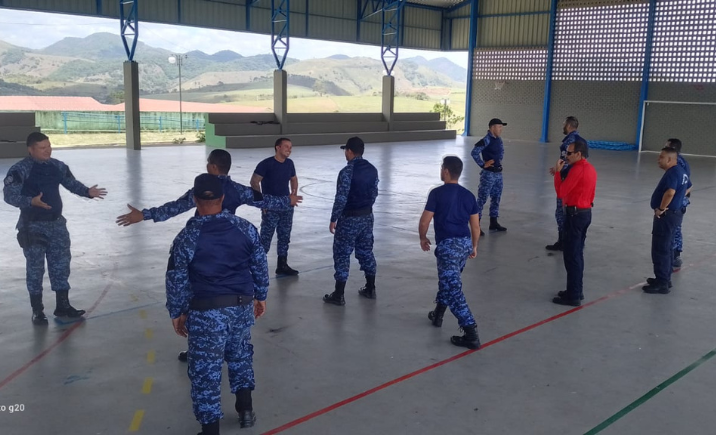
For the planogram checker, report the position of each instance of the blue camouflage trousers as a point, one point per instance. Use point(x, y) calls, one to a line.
point(49, 240)
point(215, 336)
point(281, 222)
point(559, 215)
point(452, 255)
point(490, 186)
point(678, 237)
point(353, 232)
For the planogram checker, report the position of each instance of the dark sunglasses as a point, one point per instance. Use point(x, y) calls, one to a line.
point(569, 153)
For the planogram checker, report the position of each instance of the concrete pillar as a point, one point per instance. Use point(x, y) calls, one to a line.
point(131, 104)
point(388, 98)
point(280, 96)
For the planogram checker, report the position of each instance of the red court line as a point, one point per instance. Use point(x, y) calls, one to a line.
point(59, 340)
point(349, 400)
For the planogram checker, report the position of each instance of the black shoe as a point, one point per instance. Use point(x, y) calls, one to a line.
point(38, 315)
point(210, 429)
point(569, 302)
point(482, 233)
point(436, 316)
point(468, 340)
point(563, 293)
point(495, 226)
point(182, 356)
point(64, 309)
point(652, 281)
point(282, 268)
point(368, 291)
point(336, 298)
point(656, 288)
point(247, 419)
point(557, 246)
point(677, 263)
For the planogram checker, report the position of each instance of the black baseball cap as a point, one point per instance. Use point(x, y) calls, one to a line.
point(496, 121)
point(354, 144)
point(207, 186)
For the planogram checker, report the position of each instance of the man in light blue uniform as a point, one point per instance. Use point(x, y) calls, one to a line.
point(352, 221)
point(216, 285)
point(453, 208)
point(488, 154)
point(678, 237)
point(33, 185)
point(569, 128)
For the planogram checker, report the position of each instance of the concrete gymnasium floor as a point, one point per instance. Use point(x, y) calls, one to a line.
point(544, 369)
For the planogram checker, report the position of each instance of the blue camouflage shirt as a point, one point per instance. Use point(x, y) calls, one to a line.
point(685, 166)
point(29, 177)
point(178, 283)
point(235, 195)
point(489, 148)
point(345, 181)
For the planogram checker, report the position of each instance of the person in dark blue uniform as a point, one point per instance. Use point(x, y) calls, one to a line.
point(216, 285)
point(488, 154)
point(569, 128)
point(678, 237)
point(272, 176)
point(352, 221)
point(236, 195)
point(453, 208)
point(667, 203)
point(33, 185)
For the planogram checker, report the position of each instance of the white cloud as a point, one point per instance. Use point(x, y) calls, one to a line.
point(38, 30)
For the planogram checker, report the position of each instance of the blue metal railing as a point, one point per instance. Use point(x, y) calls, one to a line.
point(111, 122)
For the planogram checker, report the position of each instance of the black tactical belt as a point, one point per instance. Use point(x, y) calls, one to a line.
point(223, 301)
point(358, 212)
point(575, 210)
point(493, 169)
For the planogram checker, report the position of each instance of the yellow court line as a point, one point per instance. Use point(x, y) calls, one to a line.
point(147, 387)
point(143, 314)
point(137, 420)
point(150, 357)
point(148, 333)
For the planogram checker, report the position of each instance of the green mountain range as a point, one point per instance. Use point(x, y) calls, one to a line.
point(92, 66)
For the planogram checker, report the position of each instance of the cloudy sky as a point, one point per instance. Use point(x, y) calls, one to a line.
point(38, 30)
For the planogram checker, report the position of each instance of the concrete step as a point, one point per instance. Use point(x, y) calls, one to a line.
point(246, 129)
point(334, 117)
point(333, 127)
point(417, 125)
point(339, 138)
point(13, 150)
point(17, 119)
point(421, 116)
point(239, 118)
point(14, 133)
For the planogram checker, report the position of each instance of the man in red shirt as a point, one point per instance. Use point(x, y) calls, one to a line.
point(577, 194)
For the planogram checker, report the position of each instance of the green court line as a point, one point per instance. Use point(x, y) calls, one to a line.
point(659, 388)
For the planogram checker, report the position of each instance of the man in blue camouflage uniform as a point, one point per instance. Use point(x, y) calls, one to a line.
point(678, 237)
point(236, 195)
point(488, 154)
point(33, 185)
point(352, 221)
point(453, 208)
point(569, 128)
point(216, 285)
point(272, 176)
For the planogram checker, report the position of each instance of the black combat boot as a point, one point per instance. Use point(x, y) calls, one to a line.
point(245, 408)
point(436, 317)
point(64, 309)
point(652, 281)
point(210, 429)
point(336, 298)
point(676, 263)
point(656, 286)
point(495, 226)
point(469, 339)
point(368, 291)
point(557, 246)
point(282, 268)
point(38, 316)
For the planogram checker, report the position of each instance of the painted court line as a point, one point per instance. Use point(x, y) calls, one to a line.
point(60, 339)
point(349, 400)
point(658, 389)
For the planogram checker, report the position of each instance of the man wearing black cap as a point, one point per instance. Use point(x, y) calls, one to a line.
point(352, 221)
point(216, 285)
point(488, 154)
